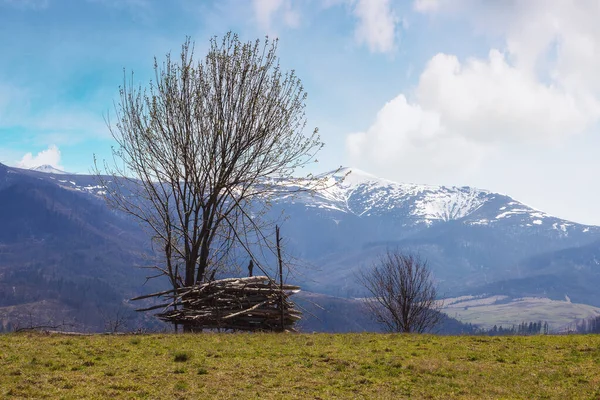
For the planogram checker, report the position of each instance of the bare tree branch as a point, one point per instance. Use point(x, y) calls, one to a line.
point(202, 149)
point(403, 295)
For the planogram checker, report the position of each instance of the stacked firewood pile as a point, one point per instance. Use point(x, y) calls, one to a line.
point(251, 304)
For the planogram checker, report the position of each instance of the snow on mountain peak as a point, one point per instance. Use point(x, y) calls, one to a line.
point(48, 169)
point(354, 177)
point(363, 194)
point(353, 191)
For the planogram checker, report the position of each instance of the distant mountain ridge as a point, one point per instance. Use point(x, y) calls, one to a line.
point(471, 237)
point(351, 190)
point(49, 169)
point(477, 242)
point(63, 254)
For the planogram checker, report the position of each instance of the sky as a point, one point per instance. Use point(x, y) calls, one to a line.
point(501, 95)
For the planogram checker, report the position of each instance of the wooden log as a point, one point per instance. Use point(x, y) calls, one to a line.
point(147, 296)
point(249, 310)
point(164, 305)
point(253, 304)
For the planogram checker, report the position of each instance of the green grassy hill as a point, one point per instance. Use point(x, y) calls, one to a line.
point(306, 366)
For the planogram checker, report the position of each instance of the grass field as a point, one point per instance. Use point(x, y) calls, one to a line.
point(306, 366)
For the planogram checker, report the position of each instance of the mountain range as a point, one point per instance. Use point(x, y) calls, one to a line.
point(63, 252)
point(474, 240)
point(49, 169)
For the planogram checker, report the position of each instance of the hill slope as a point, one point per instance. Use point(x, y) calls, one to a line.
point(59, 242)
point(63, 254)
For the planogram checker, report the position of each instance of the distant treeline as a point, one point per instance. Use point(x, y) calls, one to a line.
point(524, 328)
point(591, 325)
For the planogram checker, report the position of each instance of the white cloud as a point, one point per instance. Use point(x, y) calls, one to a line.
point(490, 100)
point(541, 88)
point(376, 25)
point(50, 156)
point(376, 21)
point(267, 11)
point(561, 36)
point(413, 143)
point(550, 86)
point(555, 38)
point(426, 5)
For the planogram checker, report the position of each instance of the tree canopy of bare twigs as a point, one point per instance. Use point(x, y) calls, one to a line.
point(403, 294)
point(198, 148)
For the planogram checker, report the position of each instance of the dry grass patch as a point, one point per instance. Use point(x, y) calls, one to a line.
point(324, 366)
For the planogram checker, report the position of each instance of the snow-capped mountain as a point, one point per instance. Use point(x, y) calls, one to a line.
point(472, 238)
point(49, 169)
point(355, 192)
point(85, 184)
point(475, 241)
point(352, 191)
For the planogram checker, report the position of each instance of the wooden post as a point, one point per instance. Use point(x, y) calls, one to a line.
point(278, 238)
point(175, 289)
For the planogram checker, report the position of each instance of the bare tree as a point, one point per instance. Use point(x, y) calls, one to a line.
point(403, 293)
point(34, 324)
point(115, 320)
point(200, 152)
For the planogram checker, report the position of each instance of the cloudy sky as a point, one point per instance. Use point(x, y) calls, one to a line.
point(498, 94)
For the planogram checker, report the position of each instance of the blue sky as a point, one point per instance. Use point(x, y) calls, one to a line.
point(501, 95)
